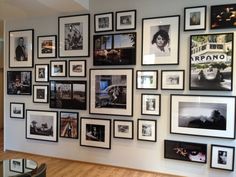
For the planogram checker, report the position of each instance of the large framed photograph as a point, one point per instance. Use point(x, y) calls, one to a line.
point(41, 73)
point(69, 124)
point(151, 104)
point(21, 48)
point(19, 82)
point(42, 125)
point(77, 68)
point(16, 165)
point(74, 32)
point(103, 22)
point(160, 40)
point(95, 132)
point(111, 91)
point(47, 46)
point(211, 62)
point(40, 94)
point(185, 151)
point(123, 129)
point(17, 110)
point(147, 79)
point(68, 95)
point(172, 79)
point(115, 49)
point(58, 68)
point(203, 115)
point(126, 20)
point(147, 130)
point(222, 157)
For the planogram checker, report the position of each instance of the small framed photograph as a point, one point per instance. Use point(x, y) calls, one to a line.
point(123, 129)
point(69, 124)
point(40, 94)
point(95, 132)
point(126, 20)
point(222, 157)
point(77, 68)
point(41, 73)
point(103, 22)
point(147, 130)
point(195, 18)
point(30, 164)
point(58, 68)
point(172, 79)
point(47, 46)
point(146, 79)
point(17, 110)
point(16, 165)
point(151, 104)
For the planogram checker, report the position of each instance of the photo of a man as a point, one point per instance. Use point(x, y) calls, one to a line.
point(21, 50)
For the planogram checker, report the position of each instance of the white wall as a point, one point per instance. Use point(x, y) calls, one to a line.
point(126, 153)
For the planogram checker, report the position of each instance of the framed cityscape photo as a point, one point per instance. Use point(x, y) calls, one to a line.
point(172, 79)
point(16, 165)
point(147, 130)
point(160, 40)
point(211, 62)
point(69, 124)
point(41, 72)
point(151, 104)
point(147, 79)
point(123, 129)
point(77, 68)
point(40, 94)
point(47, 46)
point(126, 20)
point(103, 22)
point(21, 48)
point(17, 110)
point(95, 132)
point(74, 32)
point(58, 68)
point(203, 115)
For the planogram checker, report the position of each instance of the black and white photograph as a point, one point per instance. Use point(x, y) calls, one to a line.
point(40, 93)
point(58, 68)
point(147, 79)
point(47, 46)
point(17, 110)
point(16, 165)
point(147, 130)
point(103, 22)
point(126, 20)
point(151, 104)
point(123, 129)
point(41, 72)
point(69, 124)
point(172, 79)
point(77, 68)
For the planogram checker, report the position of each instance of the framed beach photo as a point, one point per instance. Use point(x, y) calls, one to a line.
point(103, 22)
point(147, 79)
point(77, 68)
point(47, 46)
point(16, 165)
point(151, 104)
point(126, 20)
point(40, 93)
point(123, 129)
point(69, 124)
point(17, 110)
point(58, 68)
point(147, 130)
point(41, 72)
point(172, 79)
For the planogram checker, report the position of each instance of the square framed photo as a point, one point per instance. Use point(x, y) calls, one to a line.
point(103, 22)
point(42, 125)
point(69, 124)
point(222, 157)
point(147, 79)
point(151, 104)
point(41, 72)
point(195, 18)
point(123, 129)
point(40, 93)
point(17, 110)
point(111, 91)
point(16, 165)
point(211, 62)
point(95, 132)
point(126, 20)
point(21, 48)
point(77, 68)
point(203, 115)
point(74, 32)
point(147, 130)
point(172, 79)
point(58, 68)
point(160, 40)
point(47, 46)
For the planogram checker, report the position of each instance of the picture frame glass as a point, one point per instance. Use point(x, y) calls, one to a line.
point(195, 18)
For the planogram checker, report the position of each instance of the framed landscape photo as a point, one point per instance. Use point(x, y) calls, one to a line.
point(126, 20)
point(123, 129)
point(17, 110)
point(47, 46)
point(103, 22)
point(151, 104)
point(147, 79)
point(160, 40)
point(172, 79)
point(40, 94)
point(77, 68)
point(203, 115)
point(147, 130)
point(16, 165)
point(41, 72)
point(58, 68)
point(69, 124)
point(21, 48)
point(95, 132)
point(211, 62)
point(74, 32)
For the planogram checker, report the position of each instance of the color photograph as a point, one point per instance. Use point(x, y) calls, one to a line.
point(69, 125)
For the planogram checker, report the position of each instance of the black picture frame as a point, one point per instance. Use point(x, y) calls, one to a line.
point(41, 72)
point(147, 79)
point(172, 79)
point(40, 94)
point(123, 129)
point(103, 22)
point(17, 110)
point(147, 130)
point(58, 68)
point(77, 68)
point(126, 20)
point(151, 104)
point(47, 46)
point(16, 165)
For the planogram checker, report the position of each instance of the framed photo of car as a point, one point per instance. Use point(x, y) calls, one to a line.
point(126, 20)
point(41, 72)
point(123, 129)
point(47, 46)
point(151, 104)
point(77, 68)
point(147, 130)
point(16, 165)
point(58, 68)
point(147, 79)
point(17, 110)
point(69, 124)
point(172, 79)
point(40, 94)
point(103, 22)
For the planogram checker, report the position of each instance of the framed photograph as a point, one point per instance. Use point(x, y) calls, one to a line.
point(203, 115)
point(16, 165)
point(77, 68)
point(47, 46)
point(223, 16)
point(74, 32)
point(172, 79)
point(17, 110)
point(58, 68)
point(185, 151)
point(126, 20)
point(123, 129)
point(111, 91)
point(222, 157)
point(40, 94)
point(147, 130)
point(68, 95)
point(151, 104)
point(195, 18)
point(95, 132)
point(211, 62)
point(146, 79)
point(160, 40)
point(114, 49)
point(41, 125)
point(41, 72)
point(69, 124)
point(103, 22)
point(30, 164)
point(19, 82)
point(21, 48)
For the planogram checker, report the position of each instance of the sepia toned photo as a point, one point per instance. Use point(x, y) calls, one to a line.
point(69, 124)
point(47, 46)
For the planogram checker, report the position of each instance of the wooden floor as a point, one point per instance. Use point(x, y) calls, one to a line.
point(66, 168)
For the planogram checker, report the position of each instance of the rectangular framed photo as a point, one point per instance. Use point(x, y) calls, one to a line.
point(77, 68)
point(151, 104)
point(95, 132)
point(17, 110)
point(40, 93)
point(114, 49)
point(222, 157)
point(203, 115)
point(16, 165)
point(123, 129)
point(147, 130)
point(30, 164)
point(69, 124)
point(111, 91)
point(19, 82)
point(185, 151)
point(47, 46)
point(172, 79)
point(160, 40)
point(147, 79)
point(58, 68)
point(126, 20)
point(41, 72)
point(74, 32)
point(42, 125)
point(21, 48)
point(195, 18)
point(103, 22)
point(211, 62)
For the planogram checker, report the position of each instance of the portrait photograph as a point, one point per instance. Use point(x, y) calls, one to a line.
point(151, 104)
point(41, 72)
point(17, 110)
point(47, 46)
point(58, 68)
point(147, 79)
point(40, 94)
point(147, 130)
point(172, 79)
point(77, 68)
point(123, 129)
point(69, 124)
point(126, 20)
point(103, 22)
point(16, 165)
